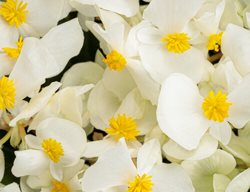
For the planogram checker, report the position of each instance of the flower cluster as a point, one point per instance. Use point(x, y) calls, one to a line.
point(164, 106)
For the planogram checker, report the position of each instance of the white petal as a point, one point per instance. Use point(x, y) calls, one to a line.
point(220, 182)
point(54, 10)
point(109, 171)
point(149, 88)
point(171, 177)
point(240, 39)
point(171, 15)
point(179, 111)
point(36, 103)
point(7, 64)
point(63, 42)
point(148, 156)
point(96, 148)
point(9, 34)
point(63, 131)
point(160, 63)
point(102, 105)
point(241, 183)
point(13, 187)
point(221, 131)
point(81, 74)
point(206, 148)
point(29, 162)
point(239, 112)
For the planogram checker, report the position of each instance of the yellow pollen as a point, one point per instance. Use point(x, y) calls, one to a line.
point(53, 149)
point(216, 107)
point(15, 52)
point(115, 61)
point(7, 93)
point(141, 184)
point(59, 187)
point(123, 126)
point(176, 42)
point(14, 12)
point(214, 42)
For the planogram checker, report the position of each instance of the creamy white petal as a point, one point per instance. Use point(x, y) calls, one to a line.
point(6, 65)
point(13, 187)
point(160, 63)
point(171, 177)
point(221, 131)
point(36, 19)
point(207, 146)
point(240, 39)
point(239, 112)
point(109, 171)
point(36, 103)
point(171, 15)
point(81, 74)
point(9, 34)
point(220, 182)
point(179, 111)
point(63, 42)
point(63, 131)
point(148, 156)
point(241, 183)
point(148, 87)
point(29, 162)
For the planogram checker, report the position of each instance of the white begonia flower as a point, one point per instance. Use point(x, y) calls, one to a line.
point(241, 183)
point(58, 143)
point(46, 57)
point(166, 45)
point(204, 173)
point(127, 114)
point(150, 174)
point(67, 104)
point(184, 115)
point(127, 8)
point(46, 183)
point(238, 53)
point(30, 18)
point(207, 146)
point(121, 52)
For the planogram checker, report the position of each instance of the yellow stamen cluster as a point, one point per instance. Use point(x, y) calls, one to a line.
point(141, 184)
point(115, 61)
point(59, 187)
point(123, 126)
point(53, 149)
point(216, 106)
point(14, 12)
point(7, 93)
point(14, 52)
point(177, 42)
point(214, 42)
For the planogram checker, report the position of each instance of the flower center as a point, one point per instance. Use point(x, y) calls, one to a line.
point(141, 184)
point(216, 107)
point(14, 12)
point(176, 42)
point(123, 126)
point(7, 93)
point(214, 42)
point(115, 61)
point(59, 187)
point(53, 149)
point(14, 52)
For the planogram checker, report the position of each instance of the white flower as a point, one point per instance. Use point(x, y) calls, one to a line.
point(13, 187)
point(58, 143)
point(149, 174)
point(184, 115)
point(166, 44)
